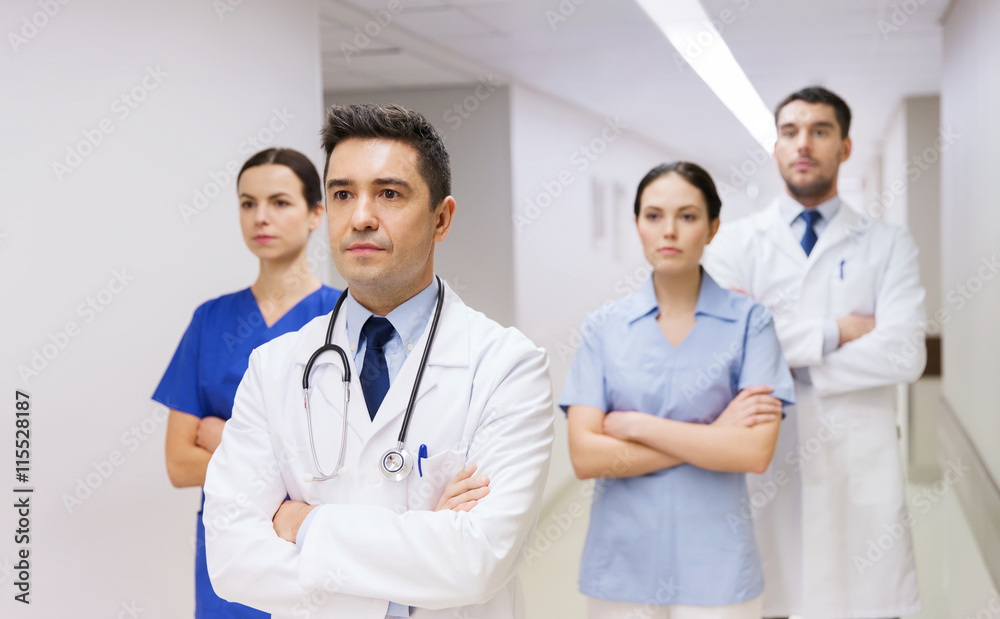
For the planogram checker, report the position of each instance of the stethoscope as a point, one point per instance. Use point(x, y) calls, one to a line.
point(397, 462)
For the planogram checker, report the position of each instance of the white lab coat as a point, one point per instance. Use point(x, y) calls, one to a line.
point(485, 397)
point(830, 513)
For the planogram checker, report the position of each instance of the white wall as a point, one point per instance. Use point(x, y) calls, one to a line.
point(893, 160)
point(575, 243)
point(202, 83)
point(925, 145)
point(911, 198)
point(477, 257)
point(970, 220)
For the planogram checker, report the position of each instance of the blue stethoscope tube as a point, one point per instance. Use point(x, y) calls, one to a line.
point(396, 463)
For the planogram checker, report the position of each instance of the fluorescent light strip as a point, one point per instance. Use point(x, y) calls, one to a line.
point(691, 32)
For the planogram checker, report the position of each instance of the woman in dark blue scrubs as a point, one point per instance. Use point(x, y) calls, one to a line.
point(281, 203)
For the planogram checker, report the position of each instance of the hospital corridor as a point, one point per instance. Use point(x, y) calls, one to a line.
point(500, 309)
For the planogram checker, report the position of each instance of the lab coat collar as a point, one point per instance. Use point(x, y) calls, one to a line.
point(450, 349)
point(791, 209)
point(844, 224)
point(712, 300)
point(313, 334)
point(409, 319)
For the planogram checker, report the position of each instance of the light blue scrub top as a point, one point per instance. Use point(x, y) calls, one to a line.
point(202, 378)
point(664, 538)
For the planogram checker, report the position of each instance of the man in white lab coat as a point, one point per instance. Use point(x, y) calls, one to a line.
point(848, 307)
point(361, 545)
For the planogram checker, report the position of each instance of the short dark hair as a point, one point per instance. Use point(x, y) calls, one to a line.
point(312, 189)
point(392, 122)
point(692, 173)
point(818, 94)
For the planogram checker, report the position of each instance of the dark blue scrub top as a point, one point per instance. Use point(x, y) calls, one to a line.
point(202, 379)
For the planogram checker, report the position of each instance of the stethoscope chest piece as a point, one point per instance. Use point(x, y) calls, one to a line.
point(396, 463)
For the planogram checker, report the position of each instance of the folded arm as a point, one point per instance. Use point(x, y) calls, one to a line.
point(721, 448)
point(595, 454)
point(629, 443)
point(247, 562)
point(189, 446)
point(443, 559)
point(894, 350)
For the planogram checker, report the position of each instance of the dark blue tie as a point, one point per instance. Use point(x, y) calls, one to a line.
point(374, 371)
point(809, 237)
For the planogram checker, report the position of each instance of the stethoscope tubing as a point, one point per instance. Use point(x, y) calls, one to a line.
point(329, 346)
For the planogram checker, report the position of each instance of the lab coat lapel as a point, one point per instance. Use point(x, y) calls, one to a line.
point(450, 348)
point(778, 232)
point(844, 225)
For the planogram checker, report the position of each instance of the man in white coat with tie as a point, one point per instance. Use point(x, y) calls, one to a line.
point(363, 543)
point(848, 307)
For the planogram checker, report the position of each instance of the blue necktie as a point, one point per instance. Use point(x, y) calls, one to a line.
point(374, 372)
point(809, 237)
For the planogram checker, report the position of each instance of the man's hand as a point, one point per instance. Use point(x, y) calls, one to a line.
point(751, 406)
point(854, 326)
point(209, 433)
point(289, 518)
point(623, 425)
point(464, 491)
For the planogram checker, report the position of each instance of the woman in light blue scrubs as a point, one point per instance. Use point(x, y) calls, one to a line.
point(281, 203)
point(675, 392)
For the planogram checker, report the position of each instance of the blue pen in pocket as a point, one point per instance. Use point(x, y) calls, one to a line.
point(421, 456)
point(842, 269)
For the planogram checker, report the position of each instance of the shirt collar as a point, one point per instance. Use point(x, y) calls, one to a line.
point(791, 209)
point(409, 319)
point(712, 300)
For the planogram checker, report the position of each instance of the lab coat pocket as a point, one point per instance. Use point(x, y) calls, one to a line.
point(852, 289)
point(875, 473)
point(427, 482)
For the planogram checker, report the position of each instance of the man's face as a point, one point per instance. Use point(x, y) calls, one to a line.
point(382, 228)
point(809, 150)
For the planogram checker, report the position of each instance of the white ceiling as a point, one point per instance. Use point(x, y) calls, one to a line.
point(609, 58)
